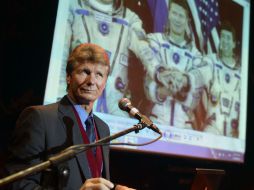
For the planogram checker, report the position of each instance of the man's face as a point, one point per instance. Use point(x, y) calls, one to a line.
point(227, 43)
point(178, 19)
point(86, 82)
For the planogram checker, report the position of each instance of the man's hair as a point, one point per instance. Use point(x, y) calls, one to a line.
point(87, 53)
point(182, 3)
point(227, 26)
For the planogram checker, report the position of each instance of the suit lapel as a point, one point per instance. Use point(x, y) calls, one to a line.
point(68, 119)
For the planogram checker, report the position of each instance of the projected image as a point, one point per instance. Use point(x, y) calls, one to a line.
point(205, 96)
point(182, 63)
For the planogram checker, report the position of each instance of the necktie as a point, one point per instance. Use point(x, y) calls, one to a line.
point(90, 132)
point(90, 129)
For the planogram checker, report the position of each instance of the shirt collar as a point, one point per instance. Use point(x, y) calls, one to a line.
point(83, 115)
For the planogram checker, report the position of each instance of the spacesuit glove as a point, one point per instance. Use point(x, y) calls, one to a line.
point(176, 82)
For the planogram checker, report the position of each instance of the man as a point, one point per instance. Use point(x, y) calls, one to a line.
point(118, 30)
point(224, 94)
point(45, 130)
point(178, 85)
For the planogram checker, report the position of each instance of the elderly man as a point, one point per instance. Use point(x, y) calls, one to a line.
point(44, 130)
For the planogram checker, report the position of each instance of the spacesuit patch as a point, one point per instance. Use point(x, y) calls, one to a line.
point(123, 59)
point(82, 12)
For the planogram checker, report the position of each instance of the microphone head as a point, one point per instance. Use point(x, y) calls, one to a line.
point(124, 103)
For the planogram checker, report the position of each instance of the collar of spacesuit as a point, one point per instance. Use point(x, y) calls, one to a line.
point(100, 6)
point(181, 44)
point(232, 64)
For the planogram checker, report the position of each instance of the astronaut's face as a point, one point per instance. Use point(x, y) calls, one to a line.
point(107, 1)
point(227, 43)
point(178, 19)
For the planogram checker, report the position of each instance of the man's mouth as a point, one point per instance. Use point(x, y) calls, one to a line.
point(86, 90)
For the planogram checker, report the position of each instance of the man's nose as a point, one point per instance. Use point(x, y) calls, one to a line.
point(91, 79)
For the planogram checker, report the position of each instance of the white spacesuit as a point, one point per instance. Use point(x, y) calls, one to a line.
point(117, 30)
point(224, 101)
point(173, 110)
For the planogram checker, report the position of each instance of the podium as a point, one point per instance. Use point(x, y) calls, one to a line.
point(207, 179)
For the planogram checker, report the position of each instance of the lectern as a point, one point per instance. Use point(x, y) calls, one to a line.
point(207, 179)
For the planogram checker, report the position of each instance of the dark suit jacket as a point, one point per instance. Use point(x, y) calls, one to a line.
point(45, 130)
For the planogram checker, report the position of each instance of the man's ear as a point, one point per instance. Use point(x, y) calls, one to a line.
point(68, 79)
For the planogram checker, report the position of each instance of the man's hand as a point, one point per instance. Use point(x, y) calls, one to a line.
point(121, 187)
point(97, 184)
point(101, 184)
point(173, 80)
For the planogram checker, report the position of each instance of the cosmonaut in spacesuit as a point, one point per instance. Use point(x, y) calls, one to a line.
point(176, 94)
point(224, 92)
point(117, 29)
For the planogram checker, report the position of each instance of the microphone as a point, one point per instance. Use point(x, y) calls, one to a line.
point(125, 105)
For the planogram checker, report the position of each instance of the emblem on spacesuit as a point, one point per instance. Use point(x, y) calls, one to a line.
point(104, 28)
point(176, 58)
point(119, 85)
point(227, 77)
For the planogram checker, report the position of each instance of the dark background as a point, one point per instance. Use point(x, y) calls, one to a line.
point(27, 31)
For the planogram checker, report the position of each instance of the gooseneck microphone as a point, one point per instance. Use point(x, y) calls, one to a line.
point(125, 105)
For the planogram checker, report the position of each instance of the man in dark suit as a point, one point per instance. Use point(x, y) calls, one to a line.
point(44, 130)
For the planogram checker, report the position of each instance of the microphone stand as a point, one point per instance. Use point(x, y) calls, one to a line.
point(65, 155)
